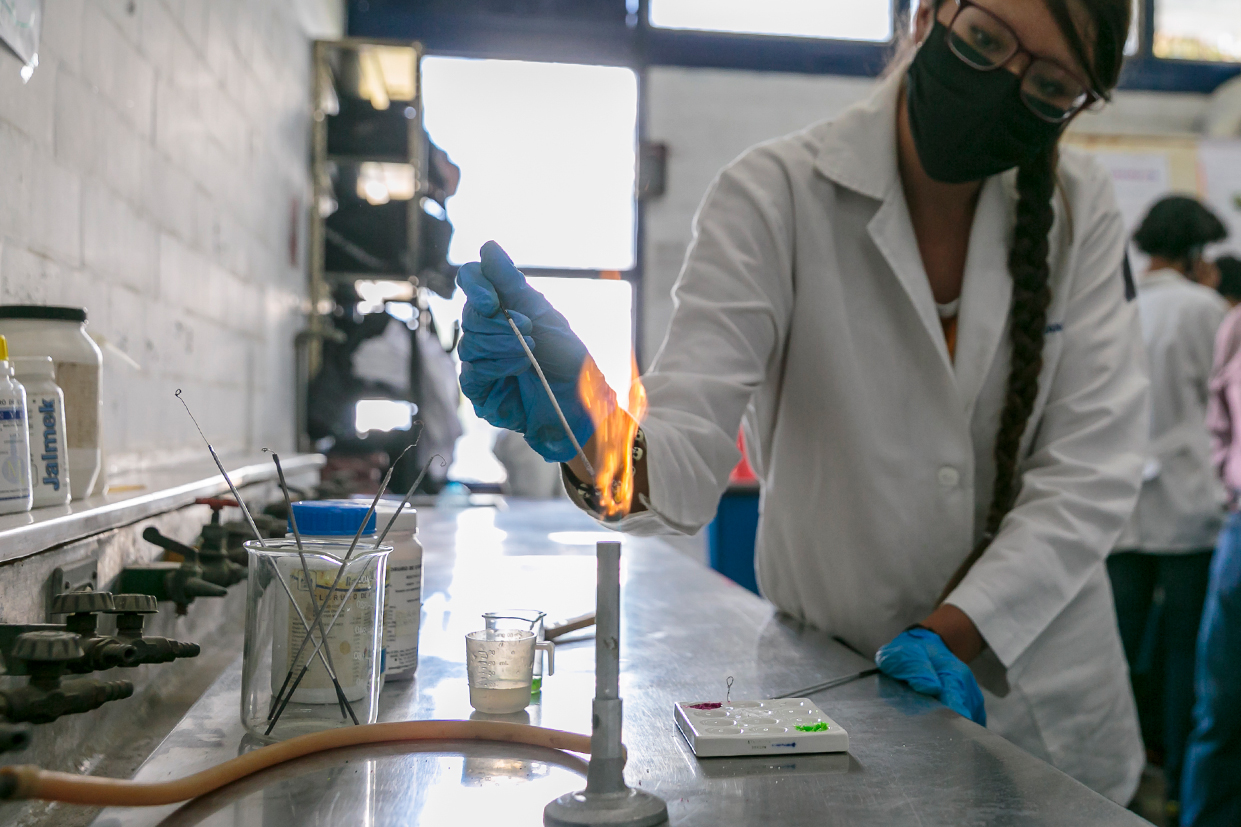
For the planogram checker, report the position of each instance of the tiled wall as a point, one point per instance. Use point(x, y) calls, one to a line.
point(708, 117)
point(154, 171)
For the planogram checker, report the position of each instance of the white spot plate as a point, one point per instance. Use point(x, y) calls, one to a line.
point(758, 728)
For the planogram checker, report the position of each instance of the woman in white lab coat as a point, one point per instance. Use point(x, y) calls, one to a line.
point(937, 367)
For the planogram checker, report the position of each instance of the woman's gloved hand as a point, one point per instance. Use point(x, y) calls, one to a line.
point(920, 658)
point(495, 373)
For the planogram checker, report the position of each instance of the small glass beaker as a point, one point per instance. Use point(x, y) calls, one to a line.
point(291, 683)
point(529, 619)
point(498, 664)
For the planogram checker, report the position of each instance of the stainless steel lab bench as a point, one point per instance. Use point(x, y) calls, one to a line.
point(685, 630)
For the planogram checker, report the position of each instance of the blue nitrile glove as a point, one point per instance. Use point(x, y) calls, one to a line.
point(920, 658)
point(495, 373)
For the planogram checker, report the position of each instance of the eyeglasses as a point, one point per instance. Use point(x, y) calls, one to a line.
point(986, 43)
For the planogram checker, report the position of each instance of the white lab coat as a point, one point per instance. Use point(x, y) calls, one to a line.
point(803, 307)
point(1181, 505)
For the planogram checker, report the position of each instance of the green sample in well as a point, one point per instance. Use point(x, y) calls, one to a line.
point(819, 727)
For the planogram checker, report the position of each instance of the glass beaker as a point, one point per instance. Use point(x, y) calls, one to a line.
point(529, 619)
point(498, 663)
point(291, 683)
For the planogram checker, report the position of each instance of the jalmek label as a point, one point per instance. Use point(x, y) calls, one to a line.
point(51, 444)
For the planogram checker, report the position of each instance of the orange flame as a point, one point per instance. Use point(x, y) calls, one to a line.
point(615, 429)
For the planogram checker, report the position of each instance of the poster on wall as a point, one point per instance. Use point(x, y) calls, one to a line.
point(20, 23)
point(1139, 179)
point(1143, 169)
point(1219, 166)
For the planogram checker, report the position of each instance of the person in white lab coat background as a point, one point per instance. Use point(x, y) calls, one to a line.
point(1166, 547)
point(920, 312)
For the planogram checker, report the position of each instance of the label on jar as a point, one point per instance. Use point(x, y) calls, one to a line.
point(402, 611)
point(49, 472)
point(350, 638)
point(80, 384)
point(14, 451)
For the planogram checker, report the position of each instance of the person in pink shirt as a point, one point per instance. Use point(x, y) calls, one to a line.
point(1211, 782)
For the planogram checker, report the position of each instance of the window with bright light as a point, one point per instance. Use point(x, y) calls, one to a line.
point(382, 415)
point(547, 158)
point(1198, 30)
point(838, 20)
point(600, 311)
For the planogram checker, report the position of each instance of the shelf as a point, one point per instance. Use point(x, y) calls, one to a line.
point(377, 159)
point(137, 496)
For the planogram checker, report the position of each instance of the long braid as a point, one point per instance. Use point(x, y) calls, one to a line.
point(1027, 264)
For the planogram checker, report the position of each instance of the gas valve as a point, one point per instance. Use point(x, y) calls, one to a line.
point(129, 610)
point(214, 537)
point(178, 582)
point(99, 651)
point(45, 697)
point(216, 567)
point(229, 538)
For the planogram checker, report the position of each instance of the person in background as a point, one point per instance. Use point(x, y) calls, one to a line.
point(1167, 545)
point(1211, 783)
point(1229, 278)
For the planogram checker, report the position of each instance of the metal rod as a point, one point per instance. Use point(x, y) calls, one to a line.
point(240, 502)
point(345, 706)
point(570, 625)
point(548, 388)
point(340, 694)
point(409, 495)
point(832, 684)
point(606, 799)
point(340, 572)
point(606, 753)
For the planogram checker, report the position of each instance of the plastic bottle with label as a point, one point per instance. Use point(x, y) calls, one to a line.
point(15, 489)
point(403, 594)
point(45, 416)
point(60, 332)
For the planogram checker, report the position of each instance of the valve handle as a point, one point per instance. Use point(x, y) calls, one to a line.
point(133, 604)
point(152, 535)
point(47, 647)
point(81, 602)
point(217, 503)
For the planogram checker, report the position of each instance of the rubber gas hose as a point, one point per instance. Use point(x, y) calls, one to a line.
point(26, 781)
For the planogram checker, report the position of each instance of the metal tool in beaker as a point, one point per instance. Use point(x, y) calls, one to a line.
point(499, 664)
point(286, 589)
point(529, 619)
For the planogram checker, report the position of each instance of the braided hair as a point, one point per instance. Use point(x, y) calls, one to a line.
point(1108, 22)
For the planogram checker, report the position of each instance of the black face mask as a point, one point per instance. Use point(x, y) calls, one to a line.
point(968, 124)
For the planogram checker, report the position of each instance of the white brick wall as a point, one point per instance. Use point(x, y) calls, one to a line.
point(708, 117)
point(147, 173)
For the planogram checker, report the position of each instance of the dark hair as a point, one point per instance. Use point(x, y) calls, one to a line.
point(1177, 227)
point(1229, 277)
point(1106, 25)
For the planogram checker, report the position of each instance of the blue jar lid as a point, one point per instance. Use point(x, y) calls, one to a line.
point(331, 518)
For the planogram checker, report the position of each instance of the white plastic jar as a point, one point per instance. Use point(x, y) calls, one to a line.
point(60, 332)
point(45, 415)
point(329, 521)
point(403, 593)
